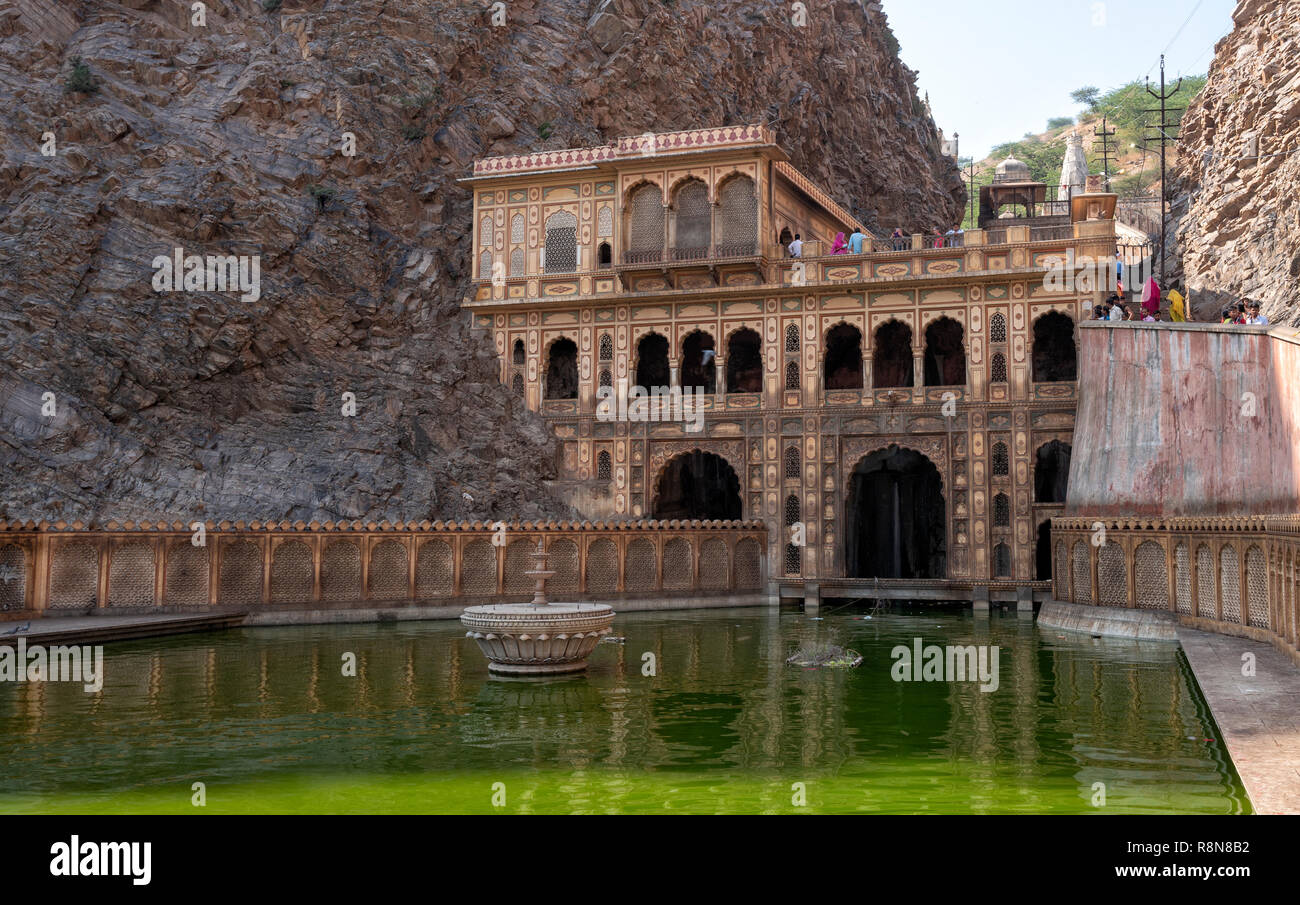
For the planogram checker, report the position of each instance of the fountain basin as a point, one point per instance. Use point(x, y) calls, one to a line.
point(531, 639)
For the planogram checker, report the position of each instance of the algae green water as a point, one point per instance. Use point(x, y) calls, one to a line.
point(269, 723)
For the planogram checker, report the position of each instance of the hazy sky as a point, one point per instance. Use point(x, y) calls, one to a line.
point(996, 69)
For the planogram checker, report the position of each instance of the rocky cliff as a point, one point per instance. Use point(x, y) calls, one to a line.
point(325, 138)
point(1237, 199)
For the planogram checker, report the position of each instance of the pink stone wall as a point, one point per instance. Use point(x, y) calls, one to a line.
point(1165, 425)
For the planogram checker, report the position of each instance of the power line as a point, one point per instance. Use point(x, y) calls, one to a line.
point(1175, 37)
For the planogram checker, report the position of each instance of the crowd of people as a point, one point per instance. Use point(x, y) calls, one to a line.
point(854, 243)
point(1118, 307)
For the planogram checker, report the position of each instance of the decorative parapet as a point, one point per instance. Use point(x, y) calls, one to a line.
point(1233, 575)
point(631, 146)
point(138, 567)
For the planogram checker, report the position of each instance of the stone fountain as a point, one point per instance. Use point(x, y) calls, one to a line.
point(538, 638)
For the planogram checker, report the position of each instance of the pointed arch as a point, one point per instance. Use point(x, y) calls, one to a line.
point(560, 250)
point(644, 233)
point(891, 359)
point(945, 353)
point(737, 216)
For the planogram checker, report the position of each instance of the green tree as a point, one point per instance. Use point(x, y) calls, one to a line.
point(1059, 122)
point(1086, 95)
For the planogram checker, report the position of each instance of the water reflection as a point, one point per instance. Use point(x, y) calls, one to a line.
point(723, 724)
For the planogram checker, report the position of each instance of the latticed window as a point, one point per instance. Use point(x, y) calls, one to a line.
point(1001, 511)
point(793, 510)
point(561, 249)
point(518, 385)
point(1001, 460)
point(605, 222)
point(998, 370)
point(606, 347)
point(792, 462)
point(485, 231)
point(998, 328)
point(485, 265)
point(1001, 561)
point(694, 221)
point(793, 560)
point(737, 217)
point(517, 262)
point(792, 338)
point(605, 379)
point(645, 241)
point(603, 468)
point(792, 375)
point(517, 229)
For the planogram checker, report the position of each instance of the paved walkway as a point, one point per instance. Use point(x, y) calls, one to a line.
point(89, 629)
point(1258, 716)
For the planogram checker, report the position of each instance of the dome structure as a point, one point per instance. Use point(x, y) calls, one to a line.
point(1012, 170)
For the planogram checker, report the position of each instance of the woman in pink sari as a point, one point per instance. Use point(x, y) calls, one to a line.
point(1151, 298)
point(841, 246)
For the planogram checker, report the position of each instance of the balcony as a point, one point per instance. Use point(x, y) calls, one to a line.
point(1016, 245)
point(695, 267)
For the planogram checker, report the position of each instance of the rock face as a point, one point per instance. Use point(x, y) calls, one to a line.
point(1238, 168)
point(325, 138)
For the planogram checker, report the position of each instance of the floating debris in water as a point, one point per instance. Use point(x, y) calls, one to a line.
point(612, 639)
point(822, 654)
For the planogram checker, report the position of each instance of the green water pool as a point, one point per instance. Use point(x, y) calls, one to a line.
point(266, 720)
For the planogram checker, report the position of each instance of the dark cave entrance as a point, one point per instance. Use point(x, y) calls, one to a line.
point(697, 485)
point(896, 525)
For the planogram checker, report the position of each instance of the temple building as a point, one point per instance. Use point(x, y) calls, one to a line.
point(901, 418)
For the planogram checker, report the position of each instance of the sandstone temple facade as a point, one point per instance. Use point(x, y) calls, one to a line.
point(901, 419)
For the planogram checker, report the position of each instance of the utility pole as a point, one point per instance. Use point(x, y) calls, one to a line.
point(1105, 135)
point(970, 194)
point(1164, 137)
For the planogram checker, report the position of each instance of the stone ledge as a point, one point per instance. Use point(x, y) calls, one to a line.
point(1110, 622)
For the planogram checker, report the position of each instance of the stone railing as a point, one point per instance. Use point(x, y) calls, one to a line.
point(1237, 576)
point(158, 567)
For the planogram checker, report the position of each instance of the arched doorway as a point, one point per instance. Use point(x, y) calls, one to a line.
point(896, 526)
point(697, 485)
point(844, 358)
point(945, 354)
point(891, 358)
point(696, 371)
point(1052, 472)
point(1043, 552)
point(1054, 357)
point(652, 362)
point(562, 370)
point(745, 362)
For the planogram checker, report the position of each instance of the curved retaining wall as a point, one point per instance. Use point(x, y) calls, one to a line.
point(1179, 420)
point(1233, 576)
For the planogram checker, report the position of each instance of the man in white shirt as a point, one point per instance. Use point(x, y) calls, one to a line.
point(1116, 312)
point(796, 247)
point(1254, 317)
